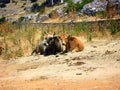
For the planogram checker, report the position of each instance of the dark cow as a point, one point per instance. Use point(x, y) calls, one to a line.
point(50, 46)
point(40, 49)
point(54, 46)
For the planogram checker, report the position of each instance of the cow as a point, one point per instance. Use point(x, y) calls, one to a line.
point(48, 35)
point(72, 43)
point(40, 49)
point(1, 49)
point(54, 46)
point(51, 45)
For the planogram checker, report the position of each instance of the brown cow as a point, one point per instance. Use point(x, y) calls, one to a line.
point(72, 43)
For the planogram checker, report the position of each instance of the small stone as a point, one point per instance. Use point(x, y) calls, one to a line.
point(118, 59)
point(78, 73)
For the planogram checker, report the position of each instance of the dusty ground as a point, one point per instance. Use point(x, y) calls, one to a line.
point(95, 68)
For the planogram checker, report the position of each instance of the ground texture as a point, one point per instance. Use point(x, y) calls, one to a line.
point(95, 68)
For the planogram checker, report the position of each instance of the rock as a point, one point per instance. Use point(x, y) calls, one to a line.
point(42, 18)
point(76, 1)
point(98, 6)
point(92, 8)
point(118, 59)
point(76, 63)
point(61, 12)
point(78, 73)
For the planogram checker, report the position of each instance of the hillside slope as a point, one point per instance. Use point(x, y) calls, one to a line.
point(97, 67)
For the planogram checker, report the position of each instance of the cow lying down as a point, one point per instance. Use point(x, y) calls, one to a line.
point(72, 43)
point(50, 46)
point(40, 49)
point(57, 44)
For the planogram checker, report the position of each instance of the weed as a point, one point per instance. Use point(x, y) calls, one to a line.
point(89, 38)
point(114, 27)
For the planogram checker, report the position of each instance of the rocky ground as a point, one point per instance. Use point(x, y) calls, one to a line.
point(95, 68)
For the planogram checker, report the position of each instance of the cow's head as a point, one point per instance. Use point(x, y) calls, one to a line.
point(48, 35)
point(54, 45)
point(64, 38)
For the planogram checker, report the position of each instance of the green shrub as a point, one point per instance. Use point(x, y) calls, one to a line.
point(114, 27)
point(71, 6)
point(38, 8)
point(19, 52)
point(80, 6)
point(2, 19)
point(2, 5)
point(101, 14)
point(65, 0)
point(21, 19)
point(35, 7)
point(33, 0)
point(14, 1)
point(89, 38)
point(76, 6)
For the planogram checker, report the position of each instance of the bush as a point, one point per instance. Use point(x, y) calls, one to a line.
point(114, 27)
point(80, 6)
point(15, 2)
point(4, 1)
point(102, 14)
point(35, 7)
point(71, 6)
point(21, 19)
point(33, 0)
point(42, 7)
point(66, 0)
point(2, 20)
point(2, 5)
point(53, 14)
point(38, 8)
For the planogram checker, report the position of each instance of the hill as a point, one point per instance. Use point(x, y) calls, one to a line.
point(39, 11)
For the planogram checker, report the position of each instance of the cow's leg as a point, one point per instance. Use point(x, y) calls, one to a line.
point(47, 52)
point(75, 50)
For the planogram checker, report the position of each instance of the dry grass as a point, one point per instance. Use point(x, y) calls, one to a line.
point(19, 42)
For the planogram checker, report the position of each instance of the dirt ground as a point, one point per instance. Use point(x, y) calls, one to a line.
point(95, 68)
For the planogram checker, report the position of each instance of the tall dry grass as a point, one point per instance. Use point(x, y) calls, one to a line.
point(16, 41)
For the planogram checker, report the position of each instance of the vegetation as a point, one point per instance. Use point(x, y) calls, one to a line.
point(35, 7)
point(19, 42)
point(20, 39)
point(53, 14)
point(33, 0)
point(21, 19)
point(14, 1)
point(38, 8)
point(114, 27)
point(76, 6)
point(2, 5)
point(3, 19)
point(79, 6)
point(102, 14)
point(71, 6)
point(4, 1)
